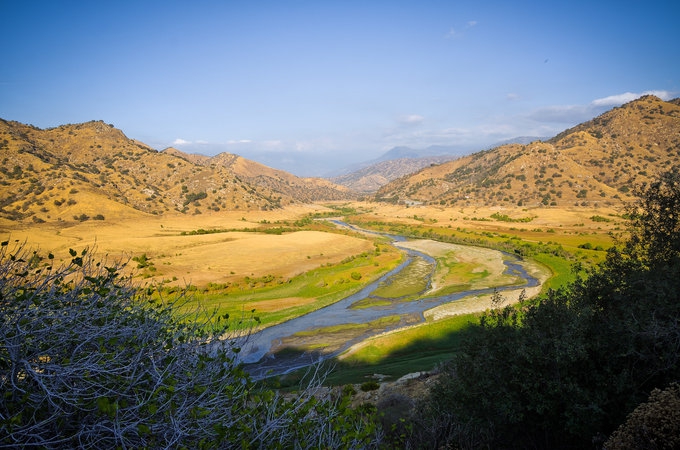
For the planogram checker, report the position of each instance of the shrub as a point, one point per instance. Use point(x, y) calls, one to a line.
point(396, 412)
point(194, 197)
point(654, 424)
point(369, 386)
point(89, 360)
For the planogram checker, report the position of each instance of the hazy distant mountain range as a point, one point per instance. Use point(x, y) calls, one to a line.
point(369, 176)
point(91, 170)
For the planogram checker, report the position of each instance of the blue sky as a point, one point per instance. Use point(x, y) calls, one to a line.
point(311, 86)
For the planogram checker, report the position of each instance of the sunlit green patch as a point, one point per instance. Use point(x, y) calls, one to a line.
point(314, 289)
point(333, 338)
point(350, 327)
point(401, 352)
point(410, 281)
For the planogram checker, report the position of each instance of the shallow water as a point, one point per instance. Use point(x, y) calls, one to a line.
point(262, 361)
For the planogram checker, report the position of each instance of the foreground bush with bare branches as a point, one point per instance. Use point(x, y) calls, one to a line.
point(88, 359)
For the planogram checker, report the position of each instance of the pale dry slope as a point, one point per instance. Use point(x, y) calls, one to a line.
point(563, 219)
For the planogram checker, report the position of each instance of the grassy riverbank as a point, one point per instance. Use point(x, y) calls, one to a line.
point(419, 348)
point(422, 346)
point(272, 300)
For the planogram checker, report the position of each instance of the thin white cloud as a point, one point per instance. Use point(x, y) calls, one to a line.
point(566, 114)
point(411, 119)
point(511, 96)
point(453, 33)
point(573, 114)
point(619, 99)
point(180, 141)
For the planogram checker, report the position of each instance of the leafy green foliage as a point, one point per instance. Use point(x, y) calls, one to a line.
point(369, 386)
point(89, 360)
point(505, 218)
point(564, 371)
point(190, 197)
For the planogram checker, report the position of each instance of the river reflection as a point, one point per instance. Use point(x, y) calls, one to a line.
point(259, 351)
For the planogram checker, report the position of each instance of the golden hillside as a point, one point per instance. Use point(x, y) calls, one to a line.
point(597, 163)
point(92, 170)
point(306, 190)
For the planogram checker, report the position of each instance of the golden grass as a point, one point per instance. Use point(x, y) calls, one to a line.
point(222, 257)
point(197, 259)
point(568, 218)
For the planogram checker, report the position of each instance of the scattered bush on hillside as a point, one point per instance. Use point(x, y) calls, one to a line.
point(369, 386)
point(89, 360)
point(505, 218)
point(563, 371)
point(194, 197)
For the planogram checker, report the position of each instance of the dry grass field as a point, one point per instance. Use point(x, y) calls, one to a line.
point(565, 221)
point(233, 255)
point(574, 228)
point(197, 259)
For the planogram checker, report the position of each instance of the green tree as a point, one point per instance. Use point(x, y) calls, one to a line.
point(654, 424)
point(563, 371)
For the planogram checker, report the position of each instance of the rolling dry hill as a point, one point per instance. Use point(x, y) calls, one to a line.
point(301, 189)
point(92, 170)
point(597, 163)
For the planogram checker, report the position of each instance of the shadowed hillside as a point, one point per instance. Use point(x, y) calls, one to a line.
point(596, 163)
point(91, 170)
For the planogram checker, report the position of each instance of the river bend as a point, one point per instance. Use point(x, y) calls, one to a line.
point(258, 351)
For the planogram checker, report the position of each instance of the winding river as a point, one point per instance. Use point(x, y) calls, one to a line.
point(259, 350)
